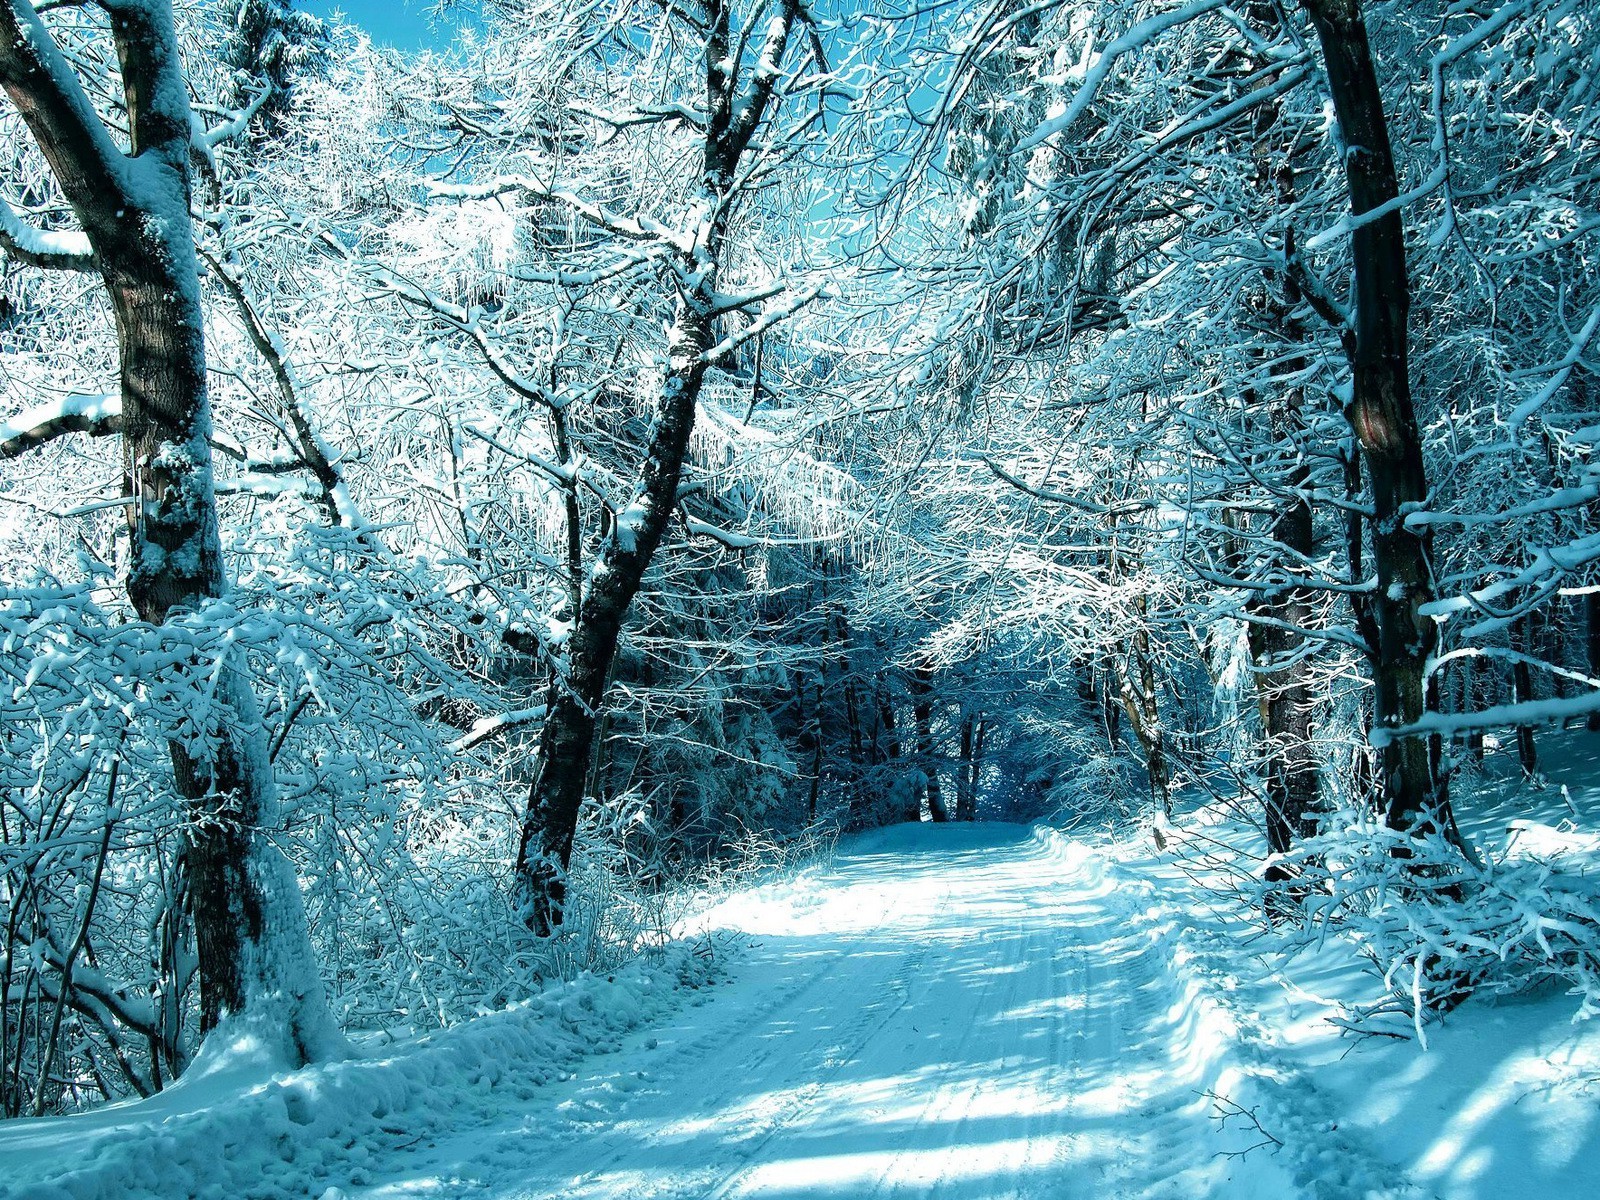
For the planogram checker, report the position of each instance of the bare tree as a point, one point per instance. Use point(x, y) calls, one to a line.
point(256, 960)
point(1381, 414)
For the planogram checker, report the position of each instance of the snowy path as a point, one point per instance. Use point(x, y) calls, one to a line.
point(956, 1013)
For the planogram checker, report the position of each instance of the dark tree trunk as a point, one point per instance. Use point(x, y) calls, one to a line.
point(255, 955)
point(911, 807)
point(1136, 685)
point(1380, 413)
point(922, 715)
point(815, 785)
point(966, 801)
point(1522, 690)
point(735, 109)
point(1285, 696)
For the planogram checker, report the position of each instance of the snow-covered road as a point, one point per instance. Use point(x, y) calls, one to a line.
point(951, 1012)
point(959, 1012)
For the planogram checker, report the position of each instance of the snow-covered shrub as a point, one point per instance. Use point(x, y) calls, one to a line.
point(1439, 927)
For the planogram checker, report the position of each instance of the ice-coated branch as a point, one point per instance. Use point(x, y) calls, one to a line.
point(237, 122)
point(1049, 496)
point(769, 318)
point(492, 726)
point(637, 229)
point(1140, 35)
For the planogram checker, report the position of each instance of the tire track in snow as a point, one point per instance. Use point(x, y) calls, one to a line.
point(978, 1015)
point(657, 1126)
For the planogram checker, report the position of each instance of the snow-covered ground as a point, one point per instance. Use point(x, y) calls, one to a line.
point(944, 1011)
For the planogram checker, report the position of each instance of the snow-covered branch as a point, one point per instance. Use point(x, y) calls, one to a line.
point(51, 250)
point(96, 415)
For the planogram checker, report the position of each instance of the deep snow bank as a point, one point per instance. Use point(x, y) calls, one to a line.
point(231, 1130)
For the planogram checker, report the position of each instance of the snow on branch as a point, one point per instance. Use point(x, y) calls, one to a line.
point(1122, 509)
point(206, 140)
point(98, 416)
point(487, 727)
point(1562, 369)
point(1497, 716)
point(47, 250)
point(733, 541)
point(1351, 222)
point(652, 114)
point(464, 320)
point(746, 541)
point(1140, 35)
point(770, 317)
point(638, 229)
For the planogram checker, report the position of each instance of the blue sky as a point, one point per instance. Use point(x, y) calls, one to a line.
point(400, 23)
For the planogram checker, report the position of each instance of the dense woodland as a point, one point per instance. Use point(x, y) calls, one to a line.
point(451, 501)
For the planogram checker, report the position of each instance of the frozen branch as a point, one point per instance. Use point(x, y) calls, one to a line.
point(487, 727)
point(1140, 35)
point(769, 318)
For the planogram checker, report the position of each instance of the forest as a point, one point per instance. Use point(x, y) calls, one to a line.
point(458, 506)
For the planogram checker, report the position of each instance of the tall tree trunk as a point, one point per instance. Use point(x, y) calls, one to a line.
point(966, 805)
point(922, 715)
point(736, 107)
point(255, 957)
point(1136, 686)
point(815, 785)
point(1380, 413)
point(1522, 643)
point(1591, 612)
point(910, 808)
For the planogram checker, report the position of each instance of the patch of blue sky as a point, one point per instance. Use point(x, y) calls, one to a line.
point(403, 24)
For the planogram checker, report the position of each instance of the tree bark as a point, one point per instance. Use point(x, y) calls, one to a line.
point(1522, 642)
point(567, 742)
point(910, 809)
point(1380, 413)
point(1285, 697)
point(255, 956)
point(1591, 642)
point(1136, 688)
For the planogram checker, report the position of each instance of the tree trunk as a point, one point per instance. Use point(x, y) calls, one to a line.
point(1285, 697)
point(1136, 686)
point(910, 809)
point(1591, 610)
point(736, 107)
point(256, 962)
point(1380, 413)
point(966, 805)
point(922, 715)
point(1522, 691)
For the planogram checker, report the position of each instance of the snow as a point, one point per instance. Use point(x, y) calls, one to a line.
point(959, 1011)
point(235, 1127)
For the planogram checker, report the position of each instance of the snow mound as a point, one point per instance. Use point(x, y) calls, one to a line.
point(228, 1133)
